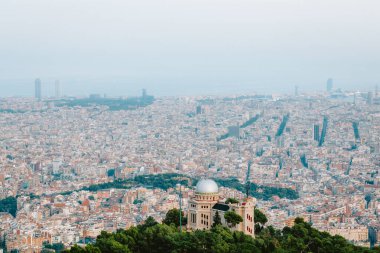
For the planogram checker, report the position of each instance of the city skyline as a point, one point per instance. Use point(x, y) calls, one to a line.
point(117, 87)
point(261, 45)
point(64, 160)
point(189, 126)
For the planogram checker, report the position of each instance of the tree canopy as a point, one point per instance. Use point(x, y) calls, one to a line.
point(9, 205)
point(170, 180)
point(260, 220)
point(232, 218)
point(217, 220)
point(260, 217)
point(232, 201)
point(156, 238)
point(172, 217)
point(153, 237)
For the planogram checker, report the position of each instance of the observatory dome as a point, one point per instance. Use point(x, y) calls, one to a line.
point(206, 186)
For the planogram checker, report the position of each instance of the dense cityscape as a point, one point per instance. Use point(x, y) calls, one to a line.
point(73, 167)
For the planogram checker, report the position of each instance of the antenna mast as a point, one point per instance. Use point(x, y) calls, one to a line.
point(247, 182)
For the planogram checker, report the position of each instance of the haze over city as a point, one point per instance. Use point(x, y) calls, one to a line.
point(189, 126)
point(188, 47)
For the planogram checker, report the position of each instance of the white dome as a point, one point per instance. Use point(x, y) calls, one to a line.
point(206, 186)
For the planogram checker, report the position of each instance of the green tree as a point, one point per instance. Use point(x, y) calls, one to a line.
point(172, 217)
point(260, 220)
point(299, 220)
point(111, 245)
point(232, 218)
point(149, 222)
point(152, 237)
point(3, 244)
point(260, 217)
point(46, 250)
point(55, 247)
point(232, 201)
point(9, 205)
point(158, 238)
point(217, 220)
point(76, 249)
point(111, 172)
point(92, 249)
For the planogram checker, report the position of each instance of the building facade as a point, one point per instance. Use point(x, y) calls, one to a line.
point(37, 89)
point(207, 203)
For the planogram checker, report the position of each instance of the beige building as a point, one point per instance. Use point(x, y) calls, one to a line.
point(206, 203)
point(355, 234)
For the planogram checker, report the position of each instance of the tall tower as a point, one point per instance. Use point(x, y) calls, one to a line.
point(329, 84)
point(296, 90)
point(57, 89)
point(37, 89)
point(199, 109)
point(144, 94)
point(316, 132)
point(234, 131)
point(369, 98)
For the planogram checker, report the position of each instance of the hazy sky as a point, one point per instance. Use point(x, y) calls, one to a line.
point(188, 46)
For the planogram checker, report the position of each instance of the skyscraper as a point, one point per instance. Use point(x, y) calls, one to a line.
point(296, 90)
point(234, 131)
point(144, 94)
point(369, 98)
point(329, 84)
point(57, 89)
point(199, 109)
point(37, 89)
point(316, 132)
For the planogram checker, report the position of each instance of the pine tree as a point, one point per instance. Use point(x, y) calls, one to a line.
point(217, 219)
point(232, 218)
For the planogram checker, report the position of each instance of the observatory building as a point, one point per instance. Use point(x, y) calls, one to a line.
point(206, 203)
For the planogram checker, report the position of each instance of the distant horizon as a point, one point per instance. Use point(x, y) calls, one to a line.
point(115, 87)
point(188, 47)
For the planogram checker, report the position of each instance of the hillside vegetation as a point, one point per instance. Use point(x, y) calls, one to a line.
point(152, 237)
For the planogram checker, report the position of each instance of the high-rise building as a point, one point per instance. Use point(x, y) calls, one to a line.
point(296, 90)
point(144, 94)
point(199, 109)
point(329, 84)
point(57, 89)
point(234, 131)
point(316, 132)
point(369, 98)
point(37, 89)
